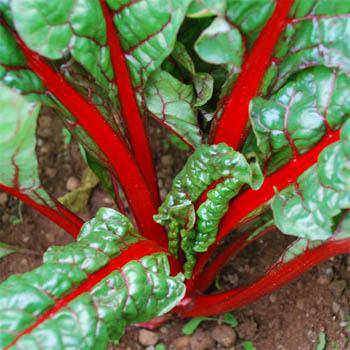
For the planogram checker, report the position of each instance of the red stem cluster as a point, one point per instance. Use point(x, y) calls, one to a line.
point(110, 144)
point(139, 182)
point(134, 123)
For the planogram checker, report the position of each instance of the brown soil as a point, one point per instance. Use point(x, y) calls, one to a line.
point(290, 319)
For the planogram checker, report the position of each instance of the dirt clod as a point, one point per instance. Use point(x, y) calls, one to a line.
point(247, 329)
point(224, 335)
point(201, 340)
point(337, 287)
point(148, 338)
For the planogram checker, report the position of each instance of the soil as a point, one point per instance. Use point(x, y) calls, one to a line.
point(292, 318)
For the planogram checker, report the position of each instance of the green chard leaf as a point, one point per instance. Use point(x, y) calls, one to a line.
point(317, 36)
point(83, 39)
point(59, 27)
point(313, 207)
point(198, 228)
point(225, 39)
point(296, 118)
point(147, 43)
point(203, 82)
point(221, 43)
point(173, 103)
point(13, 70)
point(90, 318)
point(18, 162)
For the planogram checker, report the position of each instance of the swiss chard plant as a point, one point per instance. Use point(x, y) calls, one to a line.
point(258, 91)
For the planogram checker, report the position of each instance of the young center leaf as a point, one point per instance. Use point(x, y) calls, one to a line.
point(198, 228)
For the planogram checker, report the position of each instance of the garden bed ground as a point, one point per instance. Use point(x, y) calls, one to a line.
point(290, 319)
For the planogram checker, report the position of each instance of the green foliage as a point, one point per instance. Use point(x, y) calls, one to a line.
point(18, 162)
point(322, 341)
point(173, 103)
point(191, 326)
point(313, 207)
point(137, 292)
point(296, 117)
point(198, 228)
point(149, 42)
point(248, 345)
point(316, 38)
point(53, 29)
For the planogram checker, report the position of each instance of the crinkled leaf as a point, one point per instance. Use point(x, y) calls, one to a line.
point(296, 117)
point(172, 102)
point(198, 228)
point(318, 36)
point(311, 208)
point(147, 43)
point(220, 43)
point(138, 291)
point(57, 27)
point(18, 162)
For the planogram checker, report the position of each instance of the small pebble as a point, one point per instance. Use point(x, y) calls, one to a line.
point(148, 338)
point(335, 307)
point(201, 340)
point(323, 280)
point(167, 160)
point(44, 129)
point(51, 172)
point(273, 298)
point(181, 343)
point(224, 335)
point(72, 183)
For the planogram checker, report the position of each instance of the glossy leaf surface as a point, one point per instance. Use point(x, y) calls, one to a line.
point(56, 28)
point(312, 207)
point(317, 36)
point(147, 43)
point(295, 119)
point(198, 228)
point(97, 313)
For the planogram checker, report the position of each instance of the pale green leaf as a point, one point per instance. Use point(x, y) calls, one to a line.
point(172, 102)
